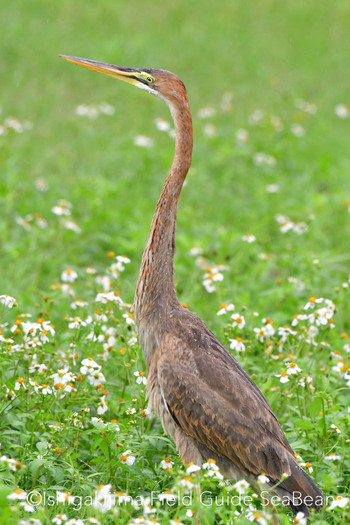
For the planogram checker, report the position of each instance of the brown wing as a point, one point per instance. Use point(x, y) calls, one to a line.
point(213, 400)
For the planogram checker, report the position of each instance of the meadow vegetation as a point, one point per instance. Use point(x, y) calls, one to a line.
point(262, 247)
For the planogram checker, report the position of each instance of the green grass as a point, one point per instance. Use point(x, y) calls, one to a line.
point(267, 54)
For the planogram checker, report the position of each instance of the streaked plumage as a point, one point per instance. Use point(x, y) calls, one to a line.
point(205, 400)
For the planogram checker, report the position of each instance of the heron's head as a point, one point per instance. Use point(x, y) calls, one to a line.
point(159, 82)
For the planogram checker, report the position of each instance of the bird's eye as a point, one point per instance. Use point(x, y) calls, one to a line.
point(146, 77)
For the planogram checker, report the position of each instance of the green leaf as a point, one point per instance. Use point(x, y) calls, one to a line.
point(42, 446)
point(102, 445)
point(315, 407)
point(304, 424)
point(35, 465)
point(57, 473)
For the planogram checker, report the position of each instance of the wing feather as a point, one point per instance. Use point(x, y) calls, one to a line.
point(213, 400)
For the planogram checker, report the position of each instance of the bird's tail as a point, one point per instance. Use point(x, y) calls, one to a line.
point(302, 491)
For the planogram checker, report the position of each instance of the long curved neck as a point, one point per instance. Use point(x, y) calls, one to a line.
point(155, 287)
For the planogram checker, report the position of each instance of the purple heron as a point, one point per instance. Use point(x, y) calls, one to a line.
point(206, 401)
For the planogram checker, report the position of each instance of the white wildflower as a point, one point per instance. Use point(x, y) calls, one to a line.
point(85, 110)
point(129, 318)
point(297, 130)
point(107, 297)
point(167, 464)
point(238, 320)
point(241, 486)
point(242, 136)
point(206, 112)
point(237, 344)
point(89, 366)
point(263, 159)
point(79, 303)
point(272, 188)
point(292, 368)
point(104, 500)
point(18, 494)
point(102, 406)
point(342, 111)
point(300, 519)
point(106, 108)
point(143, 141)
point(249, 238)
point(162, 124)
point(224, 308)
point(62, 208)
point(141, 378)
point(337, 429)
point(71, 225)
point(192, 468)
point(340, 502)
point(127, 458)
point(8, 301)
point(255, 117)
point(69, 276)
point(283, 377)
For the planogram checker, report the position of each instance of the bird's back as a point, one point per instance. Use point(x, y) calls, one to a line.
point(204, 395)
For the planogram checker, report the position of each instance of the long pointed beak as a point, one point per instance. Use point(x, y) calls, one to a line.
point(122, 73)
